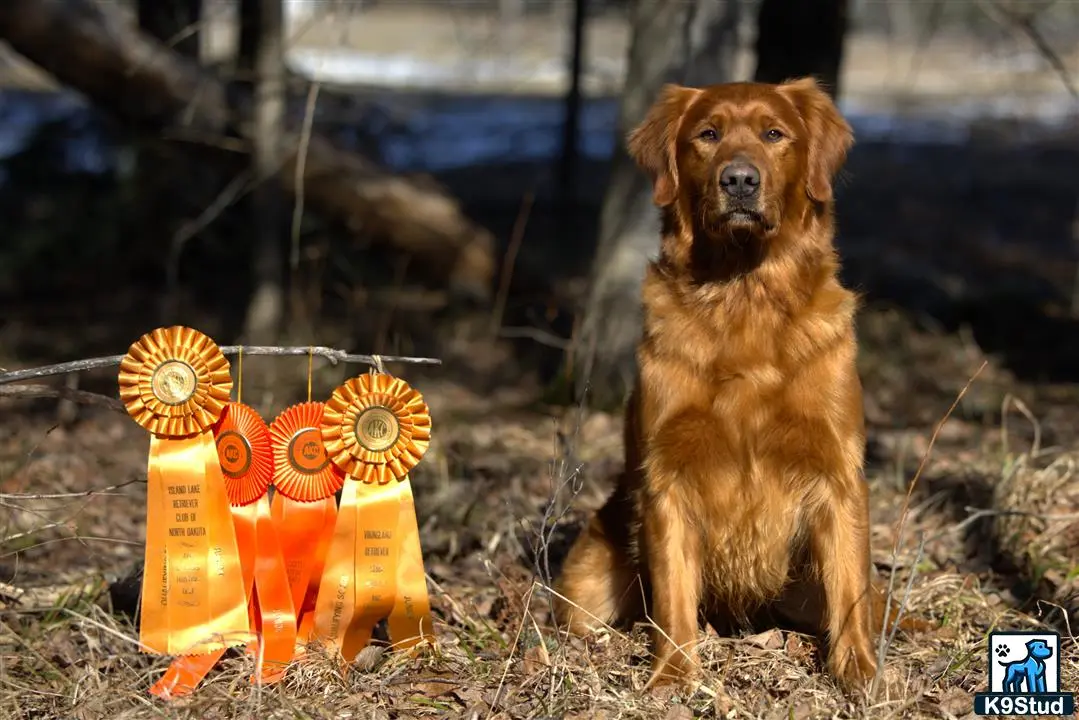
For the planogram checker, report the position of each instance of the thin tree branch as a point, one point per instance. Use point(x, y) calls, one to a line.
point(1024, 22)
point(301, 164)
point(333, 355)
point(78, 396)
point(63, 496)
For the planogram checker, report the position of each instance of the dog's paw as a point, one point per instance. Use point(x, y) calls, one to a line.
point(676, 671)
point(853, 667)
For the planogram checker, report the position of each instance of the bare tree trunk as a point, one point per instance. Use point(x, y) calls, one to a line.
point(89, 47)
point(692, 43)
point(801, 38)
point(262, 60)
point(570, 153)
point(173, 22)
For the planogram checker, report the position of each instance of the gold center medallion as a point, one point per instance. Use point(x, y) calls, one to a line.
point(234, 451)
point(306, 453)
point(377, 429)
point(174, 382)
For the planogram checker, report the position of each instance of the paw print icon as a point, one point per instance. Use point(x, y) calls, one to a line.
point(1002, 651)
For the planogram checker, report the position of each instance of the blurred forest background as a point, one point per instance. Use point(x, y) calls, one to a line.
point(448, 178)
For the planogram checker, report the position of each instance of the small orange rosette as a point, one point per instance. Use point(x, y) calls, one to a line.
point(376, 428)
point(304, 507)
point(245, 452)
point(175, 383)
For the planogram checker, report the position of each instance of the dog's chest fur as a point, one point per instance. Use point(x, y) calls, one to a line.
point(756, 371)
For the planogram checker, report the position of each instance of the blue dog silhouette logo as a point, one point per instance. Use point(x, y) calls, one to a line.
point(1027, 674)
point(1024, 676)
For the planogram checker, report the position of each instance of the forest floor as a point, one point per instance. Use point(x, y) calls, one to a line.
point(74, 493)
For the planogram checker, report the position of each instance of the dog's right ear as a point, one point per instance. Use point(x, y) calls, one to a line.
point(652, 143)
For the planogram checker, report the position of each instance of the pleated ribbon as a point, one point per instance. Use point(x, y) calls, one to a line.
point(304, 508)
point(245, 453)
point(376, 429)
point(175, 383)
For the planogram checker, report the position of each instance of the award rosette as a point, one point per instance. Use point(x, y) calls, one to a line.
point(304, 507)
point(376, 429)
point(175, 383)
point(245, 453)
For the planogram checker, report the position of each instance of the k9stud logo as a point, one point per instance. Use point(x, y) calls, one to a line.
point(1024, 676)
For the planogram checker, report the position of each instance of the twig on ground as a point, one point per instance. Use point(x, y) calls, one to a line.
point(882, 645)
point(1036, 443)
point(333, 355)
point(102, 627)
point(497, 699)
point(566, 471)
point(977, 514)
point(906, 593)
point(510, 260)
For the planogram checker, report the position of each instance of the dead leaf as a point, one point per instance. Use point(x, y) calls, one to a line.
point(665, 692)
point(367, 660)
point(536, 659)
point(678, 712)
point(802, 711)
point(432, 686)
point(769, 639)
point(954, 702)
point(798, 649)
point(722, 704)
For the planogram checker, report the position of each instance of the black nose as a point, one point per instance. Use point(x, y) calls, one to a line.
point(740, 179)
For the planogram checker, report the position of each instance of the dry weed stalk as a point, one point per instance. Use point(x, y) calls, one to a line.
point(886, 638)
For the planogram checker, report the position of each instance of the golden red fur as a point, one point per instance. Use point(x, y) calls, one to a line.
point(743, 495)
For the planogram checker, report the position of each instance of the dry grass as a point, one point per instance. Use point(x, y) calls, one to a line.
point(1037, 522)
point(482, 493)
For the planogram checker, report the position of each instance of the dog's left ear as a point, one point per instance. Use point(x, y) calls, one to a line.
point(829, 135)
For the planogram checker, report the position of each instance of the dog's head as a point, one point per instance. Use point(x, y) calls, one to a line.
point(1039, 649)
point(742, 158)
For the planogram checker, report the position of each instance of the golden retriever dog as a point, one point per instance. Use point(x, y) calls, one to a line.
point(743, 496)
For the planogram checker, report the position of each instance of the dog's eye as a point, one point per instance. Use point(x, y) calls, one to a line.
point(708, 134)
point(774, 135)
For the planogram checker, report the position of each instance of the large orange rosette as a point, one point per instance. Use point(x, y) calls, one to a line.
point(175, 383)
point(246, 456)
point(376, 428)
point(304, 506)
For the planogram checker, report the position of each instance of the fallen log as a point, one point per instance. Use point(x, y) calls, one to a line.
point(94, 50)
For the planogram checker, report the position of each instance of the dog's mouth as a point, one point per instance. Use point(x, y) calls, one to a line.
point(743, 217)
point(730, 219)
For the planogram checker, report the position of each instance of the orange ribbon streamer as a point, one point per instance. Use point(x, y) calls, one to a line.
point(244, 452)
point(376, 429)
point(304, 509)
point(174, 382)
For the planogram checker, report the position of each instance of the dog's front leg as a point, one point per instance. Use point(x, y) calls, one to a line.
point(674, 561)
point(839, 543)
